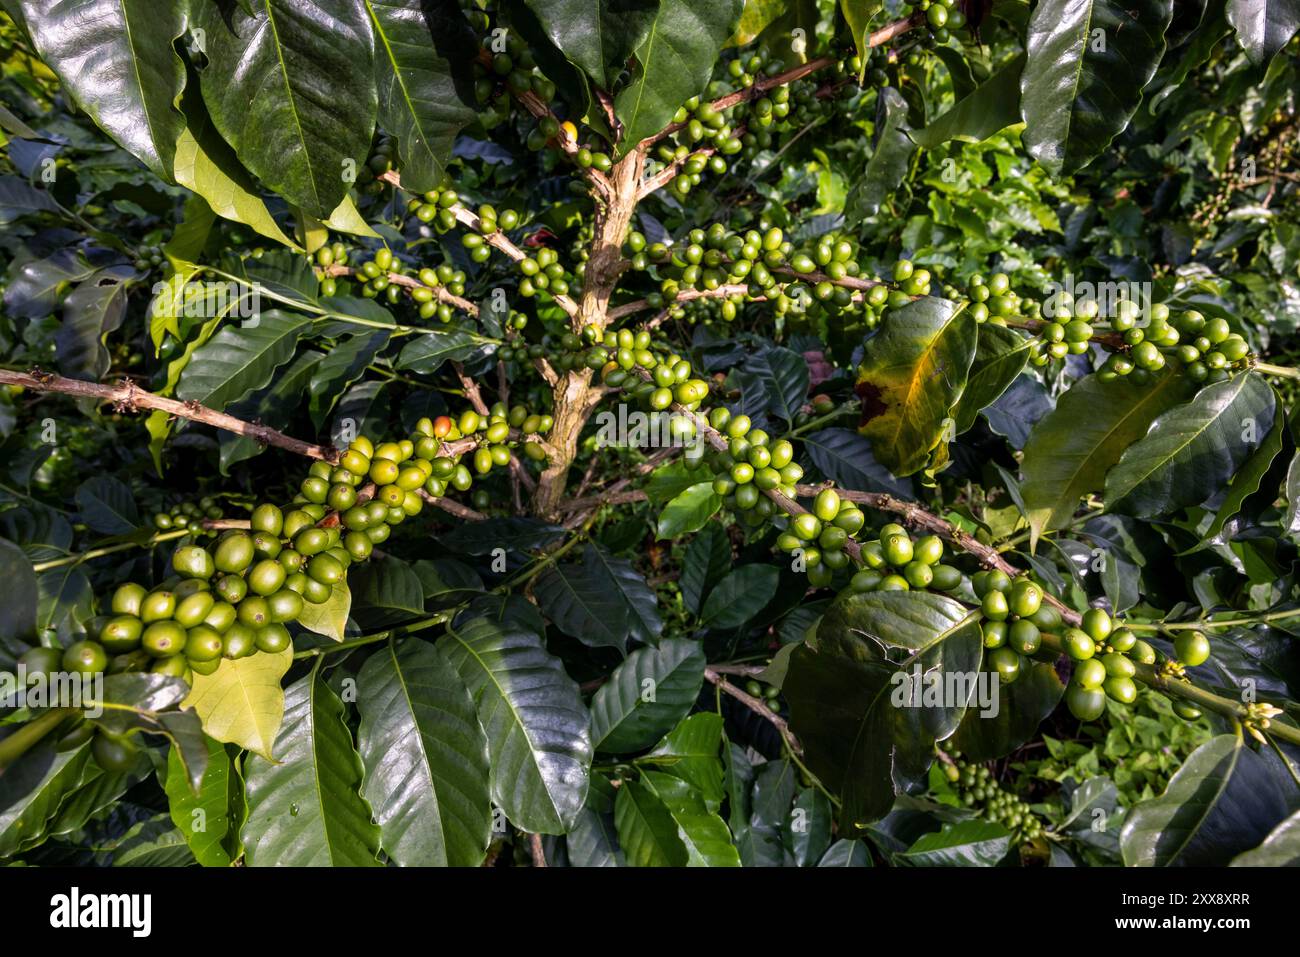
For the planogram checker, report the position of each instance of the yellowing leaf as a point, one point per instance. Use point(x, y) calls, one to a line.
point(242, 702)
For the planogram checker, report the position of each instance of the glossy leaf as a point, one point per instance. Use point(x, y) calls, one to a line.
point(107, 505)
point(992, 106)
point(204, 818)
point(1072, 447)
point(598, 37)
point(688, 511)
point(241, 359)
point(890, 160)
point(577, 597)
point(1016, 713)
point(647, 831)
point(425, 757)
point(913, 373)
point(1280, 849)
point(1088, 61)
point(1193, 449)
point(91, 312)
point(674, 62)
point(304, 810)
point(1263, 26)
point(291, 87)
point(115, 60)
point(31, 792)
point(1223, 801)
point(537, 728)
point(421, 49)
point(846, 457)
point(1000, 355)
point(690, 751)
point(701, 831)
point(855, 699)
point(965, 844)
point(707, 559)
point(740, 596)
point(845, 853)
point(646, 696)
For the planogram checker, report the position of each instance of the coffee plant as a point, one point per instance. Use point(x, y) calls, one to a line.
point(682, 432)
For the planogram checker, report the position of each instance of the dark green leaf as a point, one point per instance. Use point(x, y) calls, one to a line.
point(992, 106)
point(115, 59)
point(425, 757)
point(675, 60)
point(890, 159)
point(1223, 801)
point(90, 312)
point(1072, 447)
point(630, 586)
point(537, 727)
point(1088, 61)
point(240, 360)
point(1263, 26)
point(846, 457)
point(965, 844)
point(1280, 849)
point(107, 505)
point(1000, 355)
point(385, 591)
point(1015, 717)
point(292, 89)
point(646, 829)
point(844, 853)
point(810, 827)
point(688, 511)
point(597, 36)
point(1193, 449)
point(306, 810)
point(701, 831)
point(577, 597)
point(740, 596)
point(707, 559)
point(646, 696)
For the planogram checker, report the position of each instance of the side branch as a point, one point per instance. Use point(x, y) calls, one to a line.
point(126, 396)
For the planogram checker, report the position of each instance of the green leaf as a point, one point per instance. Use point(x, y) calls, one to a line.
point(891, 158)
point(107, 505)
point(578, 599)
point(707, 559)
point(964, 844)
point(115, 60)
point(1251, 478)
point(385, 591)
point(31, 792)
point(740, 596)
point(537, 727)
point(754, 19)
point(646, 696)
point(846, 457)
point(857, 698)
point(593, 842)
point(273, 406)
point(205, 164)
point(1000, 355)
point(1280, 849)
point(203, 818)
point(1291, 520)
point(845, 853)
point(422, 49)
point(242, 701)
point(305, 810)
point(860, 15)
point(292, 89)
point(425, 756)
point(1191, 451)
point(688, 511)
point(992, 106)
point(240, 360)
point(690, 751)
point(1263, 26)
point(1088, 61)
point(597, 35)
point(810, 827)
point(632, 589)
point(90, 312)
point(675, 61)
point(427, 352)
point(330, 617)
point(1017, 713)
point(784, 378)
point(913, 373)
point(1223, 801)
point(701, 831)
point(1071, 448)
point(18, 610)
point(343, 365)
point(647, 831)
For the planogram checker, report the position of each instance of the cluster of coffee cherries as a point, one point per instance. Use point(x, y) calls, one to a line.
point(1105, 660)
point(1206, 349)
point(977, 789)
point(751, 464)
point(942, 16)
point(1014, 618)
point(544, 271)
point(493, 450)
point(188, 513)
point(897, 562)
point(818, 537)
point(148, 257)
point(376, 275)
